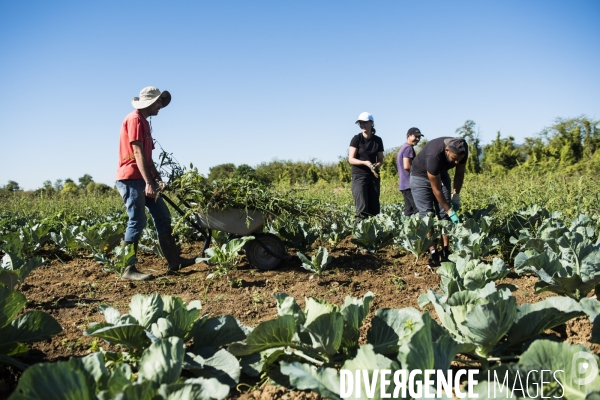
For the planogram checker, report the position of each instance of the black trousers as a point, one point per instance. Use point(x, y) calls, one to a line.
point(409, 203)
point(366, 190)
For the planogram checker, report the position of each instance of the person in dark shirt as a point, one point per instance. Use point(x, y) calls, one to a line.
point(406, 154)
point(431, 187)
point(366, 156)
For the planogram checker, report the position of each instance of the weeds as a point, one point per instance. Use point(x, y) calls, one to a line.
point(236, 282)
point(257, 298)
point(398, 282)
point(226, 257)
point(124, 256)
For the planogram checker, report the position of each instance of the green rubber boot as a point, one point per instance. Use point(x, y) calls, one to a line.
point(131, 273)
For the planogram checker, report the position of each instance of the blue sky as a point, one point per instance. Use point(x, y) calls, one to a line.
point(257, 80)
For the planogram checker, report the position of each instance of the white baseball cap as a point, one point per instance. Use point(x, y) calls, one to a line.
point(365, 116)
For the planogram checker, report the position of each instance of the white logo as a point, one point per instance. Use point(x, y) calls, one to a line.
point(584, 368)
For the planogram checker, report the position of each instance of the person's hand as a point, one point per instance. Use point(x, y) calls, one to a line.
point(161, 185)
point(454, 217)
point(150, 191)
point(455, 201)
point(374, 170)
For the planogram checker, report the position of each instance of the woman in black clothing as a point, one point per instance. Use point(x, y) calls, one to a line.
point(366, 156)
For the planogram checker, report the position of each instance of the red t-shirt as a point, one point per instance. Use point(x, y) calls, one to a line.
point(134, 128)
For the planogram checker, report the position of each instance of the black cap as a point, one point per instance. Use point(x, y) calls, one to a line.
point(457, 145)
point(414, 131)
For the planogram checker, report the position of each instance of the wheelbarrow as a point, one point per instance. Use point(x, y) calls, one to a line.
point(265, 251)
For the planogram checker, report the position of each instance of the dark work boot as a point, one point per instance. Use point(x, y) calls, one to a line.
point(434, 259)
point(132, 272)
point(445, 254)
point(171, 252)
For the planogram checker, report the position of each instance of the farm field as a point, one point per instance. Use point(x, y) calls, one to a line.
point(184, 226)
point(384, 259)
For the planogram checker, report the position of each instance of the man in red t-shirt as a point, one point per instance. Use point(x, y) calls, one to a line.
point(138, 180)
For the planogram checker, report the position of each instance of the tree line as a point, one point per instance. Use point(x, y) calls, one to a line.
point(569, 144)
point(67, 187)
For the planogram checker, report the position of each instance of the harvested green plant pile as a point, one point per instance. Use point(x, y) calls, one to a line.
point(201, 196)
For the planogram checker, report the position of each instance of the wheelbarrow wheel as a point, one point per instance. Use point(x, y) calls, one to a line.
point(259, 257)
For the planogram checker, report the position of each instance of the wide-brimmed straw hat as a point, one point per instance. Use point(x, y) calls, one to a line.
point(148, 96)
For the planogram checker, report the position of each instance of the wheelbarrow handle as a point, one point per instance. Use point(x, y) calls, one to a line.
point(207, 235)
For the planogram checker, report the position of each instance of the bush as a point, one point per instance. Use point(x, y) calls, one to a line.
point(97, 188)
point(70, 188)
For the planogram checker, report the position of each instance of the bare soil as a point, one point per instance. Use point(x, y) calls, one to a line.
point(72, 289)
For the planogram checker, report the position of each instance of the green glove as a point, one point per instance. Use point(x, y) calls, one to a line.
point(454, 217)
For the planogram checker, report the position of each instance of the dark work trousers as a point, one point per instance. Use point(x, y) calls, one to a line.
point(409, 203)
point(365, 190)
point(424, 197)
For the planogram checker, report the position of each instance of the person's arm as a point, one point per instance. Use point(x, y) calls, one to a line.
point(355, 161)
point(436, 186)
point(459, 177)
point(379, 162)
point(409, 155)
point(140, 160)
point(158, 178)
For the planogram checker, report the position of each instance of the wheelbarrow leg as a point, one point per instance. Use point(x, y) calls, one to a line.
point(206, 242)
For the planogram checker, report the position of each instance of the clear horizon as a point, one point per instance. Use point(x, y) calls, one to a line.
point(253, 82)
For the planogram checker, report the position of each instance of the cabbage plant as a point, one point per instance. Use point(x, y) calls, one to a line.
point(479, 320)
point(155, 317)
point(158, 377)
point(66, 239)
point(374, 233)
point(14, 268)
point(304, 349)
point(295, 233)
point(566, 262)
point(226, 256)
point(318, 333)
point(303, 345)
point(415, 235)
point(317, 263)
point(340, 229)
point(100, 238)
point(529, 219)
point(591, 307)
point(568, 377)
point(468, 274)
point(15, 331)
point(26, 239)
point(124, 256)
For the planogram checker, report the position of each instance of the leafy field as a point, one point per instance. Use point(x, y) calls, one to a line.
point(518, 294)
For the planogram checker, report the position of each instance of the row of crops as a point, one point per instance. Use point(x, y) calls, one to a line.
point(161, 342)
point(162, 339)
